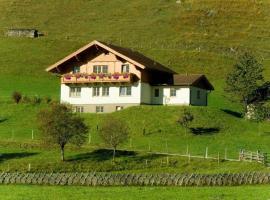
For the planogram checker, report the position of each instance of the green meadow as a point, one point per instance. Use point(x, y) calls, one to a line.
point(203, 36)
point(11, 192)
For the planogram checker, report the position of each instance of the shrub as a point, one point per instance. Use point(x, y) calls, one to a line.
point(26, 99)
point(48, 99)
point(36, 100)
point(17, 96)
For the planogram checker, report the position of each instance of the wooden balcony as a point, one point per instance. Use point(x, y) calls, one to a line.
point(98, 78)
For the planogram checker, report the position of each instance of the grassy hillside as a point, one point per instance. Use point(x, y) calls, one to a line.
point(202, 36)
point(194, 36)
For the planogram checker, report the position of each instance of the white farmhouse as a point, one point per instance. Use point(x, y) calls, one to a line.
point(101, 77)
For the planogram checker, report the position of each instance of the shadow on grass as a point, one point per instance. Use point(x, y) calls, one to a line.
point(9, 156)
point(233, 113)
point(3, 120)
point(101, 155)
point(204, 131)
point(148, 157)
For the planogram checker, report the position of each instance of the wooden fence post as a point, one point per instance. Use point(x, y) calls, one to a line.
point(225, 154)
point(188, 158)
point(32, 134)
point(89, 138)
point(130, 142)
point(206, 152)
point(187, 151)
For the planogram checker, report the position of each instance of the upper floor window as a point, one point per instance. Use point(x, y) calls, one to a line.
point(125, 91)
point(125, 68)
point(173, 92)
point(75, 92)
point(156, 92)
point(76, 69)
point(198, 94)
point(100, 69)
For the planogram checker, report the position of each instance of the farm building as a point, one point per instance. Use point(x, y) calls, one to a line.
point(101, 77)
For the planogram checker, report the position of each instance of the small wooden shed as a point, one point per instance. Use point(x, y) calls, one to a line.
point(31, 33)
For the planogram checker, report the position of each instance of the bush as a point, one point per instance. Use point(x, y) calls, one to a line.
point(26, 99)
point(48, 99)
point(36, 100)
point(17, 96)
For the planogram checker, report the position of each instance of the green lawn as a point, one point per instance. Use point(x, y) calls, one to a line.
point(205, 36)
point(81, 193)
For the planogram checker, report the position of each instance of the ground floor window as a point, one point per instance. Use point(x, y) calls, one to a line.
point(75, 92)
point(105, 91)
point(119, 108)
point(156, 92)
point(78, 109)
point(198, 94)
point(173, 92)
point(101, 91)
point(125, 91)
point(96, 91)
point(99, 109)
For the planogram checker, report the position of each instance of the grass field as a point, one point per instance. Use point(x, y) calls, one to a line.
point(204, 36)
point(80, 193)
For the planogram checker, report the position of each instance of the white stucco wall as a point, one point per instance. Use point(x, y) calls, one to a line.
point(146, 93)
point(182, 95)
point(202, 101)
point(113, 98)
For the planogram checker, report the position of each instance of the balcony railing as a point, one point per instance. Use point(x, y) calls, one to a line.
point(98, 78)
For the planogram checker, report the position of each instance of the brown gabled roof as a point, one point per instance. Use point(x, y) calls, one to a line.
point(196, 80)
point(132, 56)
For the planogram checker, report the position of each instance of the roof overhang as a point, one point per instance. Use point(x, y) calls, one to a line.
point(91, 44)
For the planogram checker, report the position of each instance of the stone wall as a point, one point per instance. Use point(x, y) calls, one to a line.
point(109, 179)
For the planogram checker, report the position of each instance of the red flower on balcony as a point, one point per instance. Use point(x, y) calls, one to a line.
point(101, 75)
point(93, 76)
point(78, 75)
point(67, 76)
point(126, 75)
point(116, 75)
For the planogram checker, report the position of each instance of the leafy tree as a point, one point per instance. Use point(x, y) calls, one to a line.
point(60, 125)
point(258, 115)
point(114, 131)
point(244, 79)
point(16, 96)
point(186, 119)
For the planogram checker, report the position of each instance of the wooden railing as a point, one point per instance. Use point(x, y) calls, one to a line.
point(98, 78)
point(253, 156)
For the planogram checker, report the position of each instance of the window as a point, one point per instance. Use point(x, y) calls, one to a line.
point(78, 109)
point(119, 108)
point(156, 93)
point(125, 91)
point(96, 91)
point(75, 92)
point(99, 109)
point(105, 91)
point(173, 92)
point(100, 69)
point(125, 68)
point(76, 69)
point(101, 91)
point(198, 94)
